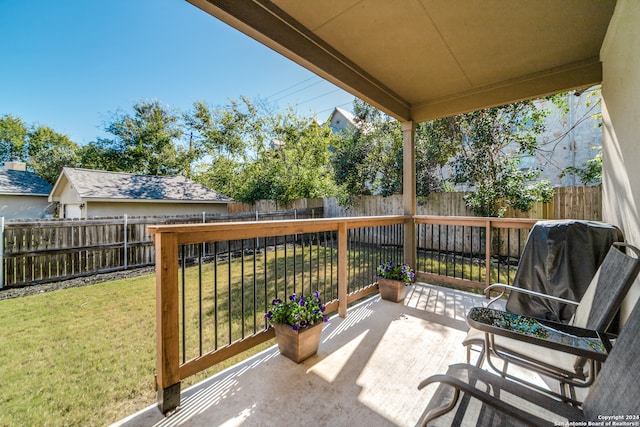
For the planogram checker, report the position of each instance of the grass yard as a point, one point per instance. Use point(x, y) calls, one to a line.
point(81, 356)
point(86, 355)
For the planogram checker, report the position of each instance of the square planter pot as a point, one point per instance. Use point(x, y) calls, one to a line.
point(298, 345)
point(392, 290)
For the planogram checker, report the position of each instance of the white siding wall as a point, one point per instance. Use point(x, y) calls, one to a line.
point(620, 56)
point(26, 207)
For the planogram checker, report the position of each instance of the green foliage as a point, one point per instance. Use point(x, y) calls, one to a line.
point(590, 173)
point(435, 145)
point(146, 142)
point(297, 311)
point(476, 146)
point(393, 271)
point(487, 164)
point(49, 152)
point(13, 138)
point(252, 154)
point(44, 151)
point(369, 159)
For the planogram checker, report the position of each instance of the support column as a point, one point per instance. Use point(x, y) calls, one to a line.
point(409, 200)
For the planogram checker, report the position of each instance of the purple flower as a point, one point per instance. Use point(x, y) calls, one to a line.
point(297, 312)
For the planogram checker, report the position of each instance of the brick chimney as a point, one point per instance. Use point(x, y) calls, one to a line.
point(15, 166)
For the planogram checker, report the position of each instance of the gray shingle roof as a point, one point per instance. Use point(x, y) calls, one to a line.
point(116, 185)
point(23, 182)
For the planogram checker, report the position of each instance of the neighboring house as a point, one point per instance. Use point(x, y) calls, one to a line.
point(341, 120)
point(570, 138)
point(22, 194)
point(84, 193)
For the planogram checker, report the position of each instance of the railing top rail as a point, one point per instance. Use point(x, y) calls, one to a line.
point(476, 221)
point(196, 233)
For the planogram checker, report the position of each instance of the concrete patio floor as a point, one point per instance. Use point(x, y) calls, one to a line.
point(365, 373)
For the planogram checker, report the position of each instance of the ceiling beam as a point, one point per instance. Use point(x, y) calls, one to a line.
point(572, 76)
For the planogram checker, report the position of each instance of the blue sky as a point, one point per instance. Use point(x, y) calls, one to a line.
point(71, 64)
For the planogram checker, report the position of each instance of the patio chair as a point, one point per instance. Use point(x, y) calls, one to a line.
point(596, 310)
point(489, 399)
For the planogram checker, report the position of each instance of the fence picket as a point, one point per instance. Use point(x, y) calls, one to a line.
point(37, 251)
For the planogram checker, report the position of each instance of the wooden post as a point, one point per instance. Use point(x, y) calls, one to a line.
point(126, 241)
point(167, 321)
point(409, 201)
point(487, 255)
point(343, 264)
point(1, 252)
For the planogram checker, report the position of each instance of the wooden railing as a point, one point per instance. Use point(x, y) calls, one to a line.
point(470, 251)
point(264, 260)
point(231, 271)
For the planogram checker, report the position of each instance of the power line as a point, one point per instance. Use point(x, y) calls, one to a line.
point(292, 86)
point(297, 91)
point(319, 96)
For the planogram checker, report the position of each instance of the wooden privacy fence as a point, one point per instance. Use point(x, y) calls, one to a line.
point(568, 203)
point(39, 251)
point(48, 250)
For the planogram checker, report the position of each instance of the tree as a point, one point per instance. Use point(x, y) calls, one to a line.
point(44, 150)
point(490, 142)
point(147, 142)
point(251, 153)
point(478, 148)
point(13, 138)
point(370, 159)
point(435, 145)
point(49, 152)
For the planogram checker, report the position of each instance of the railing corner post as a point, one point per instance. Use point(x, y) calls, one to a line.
point(167, 321)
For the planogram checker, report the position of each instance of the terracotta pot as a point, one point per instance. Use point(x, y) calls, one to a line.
point(298, 345)
point(392, 290)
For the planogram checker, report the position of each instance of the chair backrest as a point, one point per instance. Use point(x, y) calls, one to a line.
point(602, 299)
point(616, 390)
point(609, 286)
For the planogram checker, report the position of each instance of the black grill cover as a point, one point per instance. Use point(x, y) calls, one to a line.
point(560, 258)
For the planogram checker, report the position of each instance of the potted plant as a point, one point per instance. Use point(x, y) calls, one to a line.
point(298, 325)
point(393, 280)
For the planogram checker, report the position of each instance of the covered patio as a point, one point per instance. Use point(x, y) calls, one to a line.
point(366, 371)
point(416, 61)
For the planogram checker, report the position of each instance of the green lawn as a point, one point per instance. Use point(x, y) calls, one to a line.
point(86, 355)
point(80, 356)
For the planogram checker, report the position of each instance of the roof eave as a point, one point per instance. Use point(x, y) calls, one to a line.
point(117, 200)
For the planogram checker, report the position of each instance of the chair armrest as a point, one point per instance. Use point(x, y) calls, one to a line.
point(504, 287)
point(486, 398)
point(494, 391)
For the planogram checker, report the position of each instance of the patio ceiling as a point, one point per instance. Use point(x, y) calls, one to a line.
point(423, 59)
